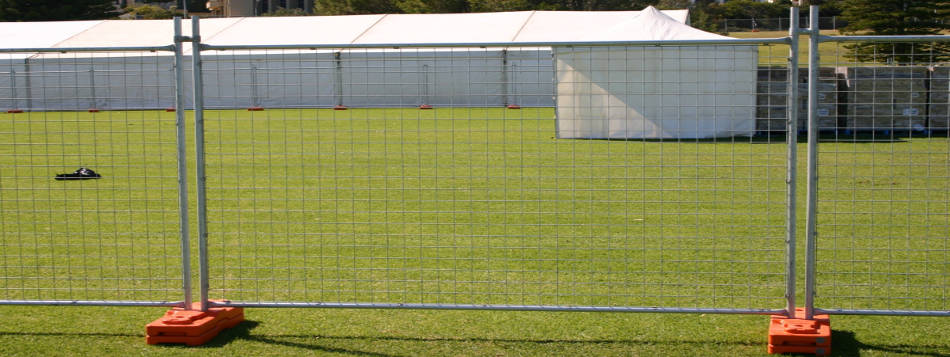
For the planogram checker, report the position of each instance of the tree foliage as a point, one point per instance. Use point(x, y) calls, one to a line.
point(897, 17)
point(52, 10)
point(710, 15)
point(150, 12)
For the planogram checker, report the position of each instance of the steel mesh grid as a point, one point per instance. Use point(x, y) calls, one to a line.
point(113, 239)
point(884, 163)
point(471, 203)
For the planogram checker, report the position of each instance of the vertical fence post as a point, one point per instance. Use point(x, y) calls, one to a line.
point(791, 132)
point(200, 163)
point(92, 86)
point(811, 221)
point(182, 162)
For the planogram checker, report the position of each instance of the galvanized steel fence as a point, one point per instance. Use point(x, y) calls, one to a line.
point(112, 235)
point(530, 176)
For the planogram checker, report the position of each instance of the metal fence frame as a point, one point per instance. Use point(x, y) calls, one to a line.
point(182, 173)
point(811, 234)
point(813, 173)
point(201, 180)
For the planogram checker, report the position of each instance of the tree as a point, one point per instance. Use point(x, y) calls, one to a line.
point(897, 17)
point(150, 12)
point(52, 10)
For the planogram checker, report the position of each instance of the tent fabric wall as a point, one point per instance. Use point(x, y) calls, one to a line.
point(379, 78)
point(296, 78)
point(655, 92)
point(705, 90)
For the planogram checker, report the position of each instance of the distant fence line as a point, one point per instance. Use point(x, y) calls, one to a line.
point(779, 24)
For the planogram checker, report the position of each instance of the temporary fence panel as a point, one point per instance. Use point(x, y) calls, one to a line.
point(106, 236)
point(883, 210)
point(473, 205)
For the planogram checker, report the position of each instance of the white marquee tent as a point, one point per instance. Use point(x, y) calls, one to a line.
point(655, 92)
point(492, 76)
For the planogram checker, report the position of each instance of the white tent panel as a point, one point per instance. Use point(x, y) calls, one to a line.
point(276, 80)
point(655, 92)
point(530, 77)
point(449, 77)
point(80, 82)
point(13, 67)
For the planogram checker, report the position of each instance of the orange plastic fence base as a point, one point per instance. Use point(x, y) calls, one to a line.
point(425, 106)
point(513, 106)
point(93, 110)
point(169, 109)
point(339, 107)
point(192, 327)
point(255, 109)
point(787, 335)
point(15, 111)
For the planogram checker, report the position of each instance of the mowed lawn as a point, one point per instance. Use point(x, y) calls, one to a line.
point(454, 206)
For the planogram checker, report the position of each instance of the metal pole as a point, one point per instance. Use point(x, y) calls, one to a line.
point(182, 169)
point(504, 77)
point(92, 85)
point(338, 77)
point(791, 132)
point(811, 232)
point(200, 163)
point(29, 83)
point(16, 97)
point(254, 100)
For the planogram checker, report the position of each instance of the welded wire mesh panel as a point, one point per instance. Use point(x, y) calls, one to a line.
point(884, 194)
point(473, 203)
point(69, 235)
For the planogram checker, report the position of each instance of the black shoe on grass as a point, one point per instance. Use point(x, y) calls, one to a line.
point(81, 174)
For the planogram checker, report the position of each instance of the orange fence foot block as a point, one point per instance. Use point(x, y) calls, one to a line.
point(93, 110)
point(255, 109)
point(15, 111)
point(513, 106)
point(797, 335)
point(192, 327)
point(425, 106)
point(339, 107)
point(169, 110)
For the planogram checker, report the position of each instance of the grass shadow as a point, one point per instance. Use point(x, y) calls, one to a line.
point(844, 343)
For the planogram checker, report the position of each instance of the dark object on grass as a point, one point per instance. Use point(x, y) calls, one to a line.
point(81, 174)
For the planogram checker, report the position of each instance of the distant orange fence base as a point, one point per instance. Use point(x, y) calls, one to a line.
point(797, 335)
point(192, 327)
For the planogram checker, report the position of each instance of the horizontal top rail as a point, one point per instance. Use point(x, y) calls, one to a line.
point(737, 41)
point(895, 38)
point(89, 49)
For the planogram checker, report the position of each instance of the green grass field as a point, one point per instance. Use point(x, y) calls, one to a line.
point(458, 206)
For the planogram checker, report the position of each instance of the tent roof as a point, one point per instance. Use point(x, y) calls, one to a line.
point(38, 34)
point(497, 27)
point(649, 25)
